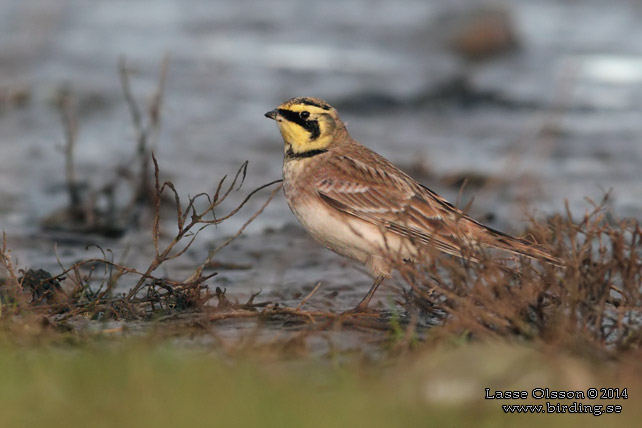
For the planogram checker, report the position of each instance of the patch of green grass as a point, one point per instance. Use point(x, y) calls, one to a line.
point(140, 387)
point(128, 384)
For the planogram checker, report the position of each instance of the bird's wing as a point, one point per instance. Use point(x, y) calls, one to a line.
point(379, 193)
point(392, 201)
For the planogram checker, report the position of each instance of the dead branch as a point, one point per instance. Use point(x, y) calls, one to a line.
point(225, 243)
point(70, 126)
point(189, 229)
point(146, 133)
point(14, 286)
point(310, 294)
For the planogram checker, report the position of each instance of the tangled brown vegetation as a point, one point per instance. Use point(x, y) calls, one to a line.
point(593, 302)
point(591, 305)
point(94, 296)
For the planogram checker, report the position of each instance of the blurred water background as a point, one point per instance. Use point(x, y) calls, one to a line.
point(533, 103)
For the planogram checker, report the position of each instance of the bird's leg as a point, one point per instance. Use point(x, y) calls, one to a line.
point(363, 304)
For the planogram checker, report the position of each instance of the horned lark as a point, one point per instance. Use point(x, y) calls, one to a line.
point(361, 206)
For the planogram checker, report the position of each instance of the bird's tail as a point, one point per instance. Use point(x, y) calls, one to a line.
point(522, 247)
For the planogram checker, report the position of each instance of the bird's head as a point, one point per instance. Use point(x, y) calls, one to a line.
point(307, 125)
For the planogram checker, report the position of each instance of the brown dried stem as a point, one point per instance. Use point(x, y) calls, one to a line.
point(70, 126)
point(146, 133)
point(188, 229)
point(14, 286)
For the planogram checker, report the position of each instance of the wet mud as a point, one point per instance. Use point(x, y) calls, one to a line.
point(546, 111)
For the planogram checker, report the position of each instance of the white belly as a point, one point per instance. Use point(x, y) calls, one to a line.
point(352, 237)
point(337, 232)
point(345, 235)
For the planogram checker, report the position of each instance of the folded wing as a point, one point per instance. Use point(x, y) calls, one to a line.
point(391, 200)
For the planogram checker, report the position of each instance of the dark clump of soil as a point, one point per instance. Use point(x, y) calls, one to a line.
point(42, 287)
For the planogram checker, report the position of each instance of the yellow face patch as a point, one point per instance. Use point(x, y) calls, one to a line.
point(306, 124)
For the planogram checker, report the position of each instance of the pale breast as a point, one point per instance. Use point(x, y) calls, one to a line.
point(332, 229)
point(346, 235)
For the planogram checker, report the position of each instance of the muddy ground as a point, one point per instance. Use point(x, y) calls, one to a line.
point(550, 112)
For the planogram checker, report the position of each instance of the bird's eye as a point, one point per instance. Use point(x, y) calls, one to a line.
point(304, 114)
